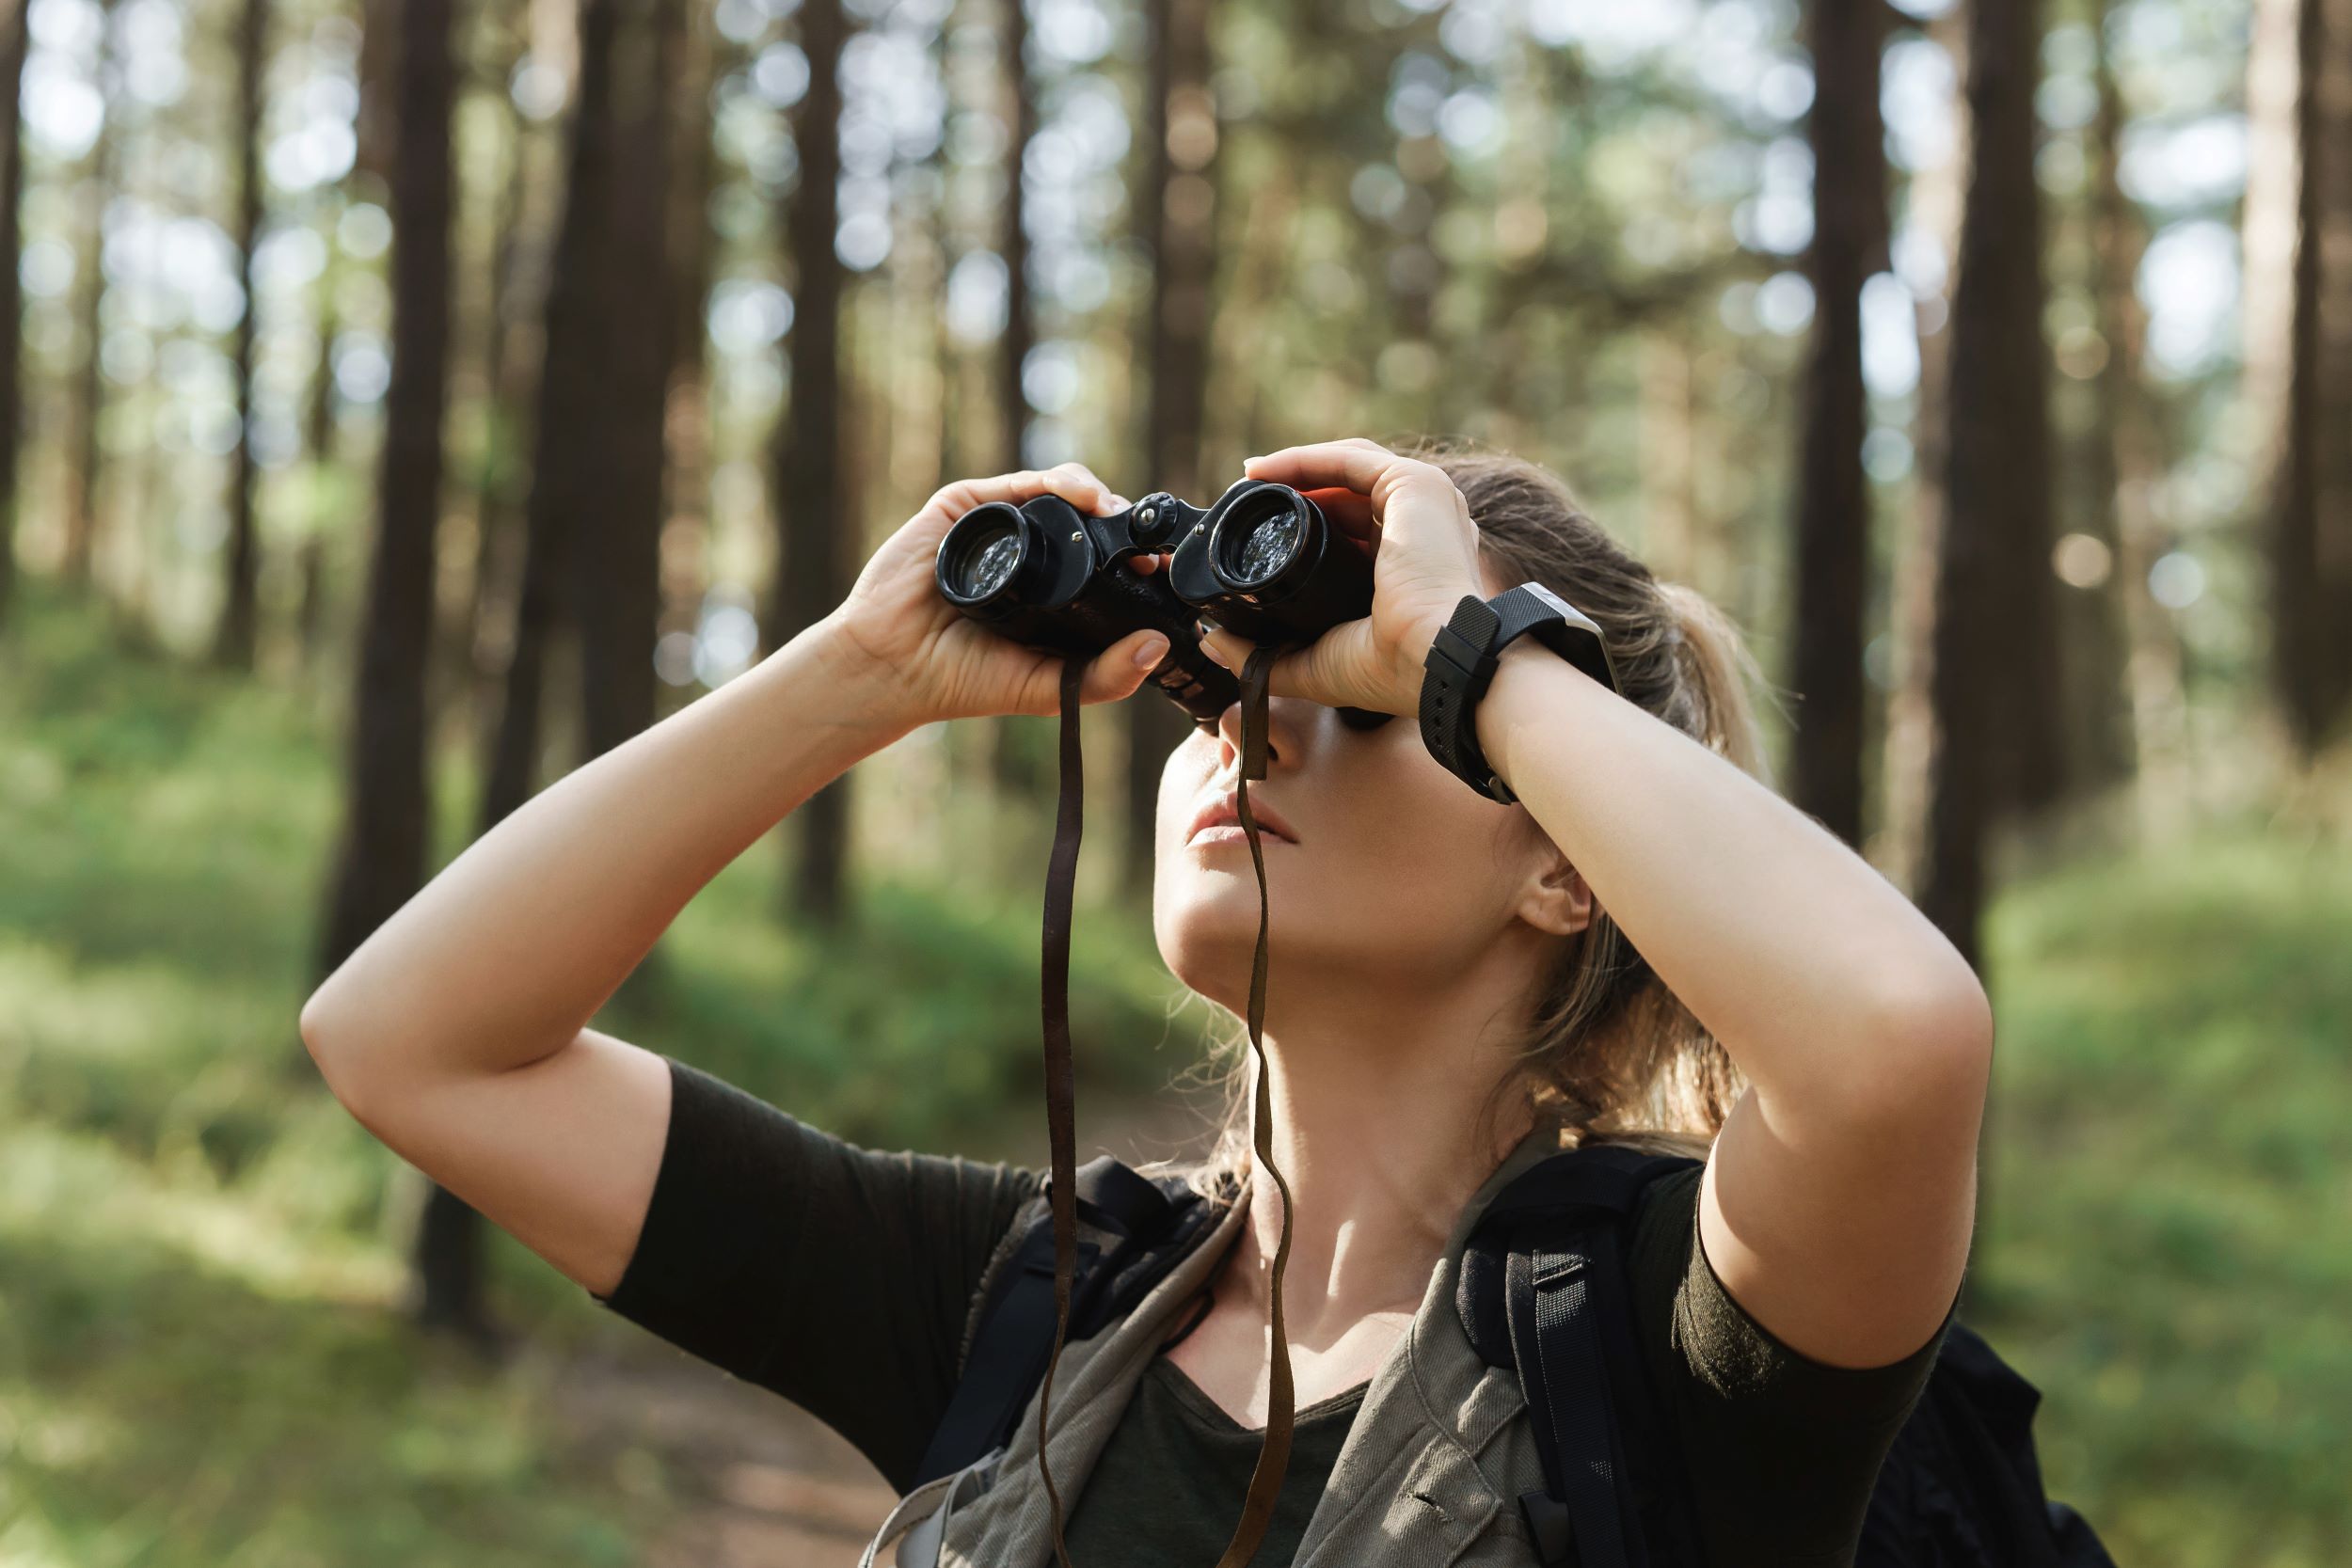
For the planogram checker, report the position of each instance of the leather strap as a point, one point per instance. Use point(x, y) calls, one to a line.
point(1274, 1452)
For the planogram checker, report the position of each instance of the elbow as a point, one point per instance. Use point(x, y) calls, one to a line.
point(1931, 1051)
point(326, 1036)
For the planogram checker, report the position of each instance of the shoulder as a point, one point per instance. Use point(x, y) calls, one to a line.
point(1780, 1450)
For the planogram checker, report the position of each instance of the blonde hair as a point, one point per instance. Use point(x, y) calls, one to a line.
point(1608, 1052)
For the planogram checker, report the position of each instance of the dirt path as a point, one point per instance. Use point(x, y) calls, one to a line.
point(764, 1484)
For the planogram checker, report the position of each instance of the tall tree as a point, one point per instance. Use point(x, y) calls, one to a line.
point(812, 518)
point(14, 41)
point(619, 560)
point(2310, 543)
point(562, 481)
point(1832, 545)
point(1013, 766)
point(382, 858)
point(1175, 216)
point(2131, 469)
point(1020, 336)
point(90, 300)
point(1991, 682)
point(233, 640)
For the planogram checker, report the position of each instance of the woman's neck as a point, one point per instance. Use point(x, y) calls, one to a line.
point(1377, 1105)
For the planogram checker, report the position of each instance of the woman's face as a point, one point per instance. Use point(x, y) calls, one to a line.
point(1378, 860)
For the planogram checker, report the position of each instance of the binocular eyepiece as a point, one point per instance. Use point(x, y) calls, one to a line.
point(1263, 562)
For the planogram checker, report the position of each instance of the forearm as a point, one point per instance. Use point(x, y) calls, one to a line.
point(508, 953)
point(1826, 985)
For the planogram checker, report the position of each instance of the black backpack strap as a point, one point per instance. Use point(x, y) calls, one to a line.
point(1133, 1231)
point(1543, 1289)
point(1549, 1303)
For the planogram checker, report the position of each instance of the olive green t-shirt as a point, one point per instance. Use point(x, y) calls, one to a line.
point(841, 1276)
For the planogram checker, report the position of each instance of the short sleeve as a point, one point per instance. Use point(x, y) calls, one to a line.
point(837, 1276)
point(1782, 1450)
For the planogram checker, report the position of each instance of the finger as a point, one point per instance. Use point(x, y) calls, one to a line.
point(1075, 483)
point(1350, 510)
point(1070, 481)
point(1106, 499)
point(1118, 670)
point(1111, 675)
point(1353, 465)
point(1323, 671)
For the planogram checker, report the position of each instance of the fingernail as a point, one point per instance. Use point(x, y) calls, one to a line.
point(1153, 650)
point(1210, 648)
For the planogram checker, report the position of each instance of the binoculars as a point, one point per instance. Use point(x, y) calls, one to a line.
point(1263, 562)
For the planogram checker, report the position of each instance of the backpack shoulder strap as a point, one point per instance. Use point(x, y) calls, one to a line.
point(1131, 1230)
point(1543, 1289)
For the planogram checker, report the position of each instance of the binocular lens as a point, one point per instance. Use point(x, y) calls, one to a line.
point(986, 560)
point(1257, 550)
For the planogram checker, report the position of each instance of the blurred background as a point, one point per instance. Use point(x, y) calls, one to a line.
point(404, 400)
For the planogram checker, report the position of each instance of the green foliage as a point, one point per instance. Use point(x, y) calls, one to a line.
point(2162, 1253)
point(202, 1353)
point(201, 1358)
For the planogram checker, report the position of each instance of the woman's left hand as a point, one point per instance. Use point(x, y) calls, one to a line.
point(1427, 560)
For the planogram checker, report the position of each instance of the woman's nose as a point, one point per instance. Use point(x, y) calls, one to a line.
point(1285, 736)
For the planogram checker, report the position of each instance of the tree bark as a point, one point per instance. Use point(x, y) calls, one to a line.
point(815, 525)
point(1994, 659)
point(1014, 767)
point(386, 836)
point(619, 562)
point(1832, 545)
point(564, 429)
point(2311, 538)
point(2134, 465)
point(1176, 217)
point(14, 39)
point(89, 299)
point(232, 646)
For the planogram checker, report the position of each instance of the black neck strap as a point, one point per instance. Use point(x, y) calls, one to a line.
point(1274, 1452)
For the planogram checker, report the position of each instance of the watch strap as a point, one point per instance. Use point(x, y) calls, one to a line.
point(1462, 662)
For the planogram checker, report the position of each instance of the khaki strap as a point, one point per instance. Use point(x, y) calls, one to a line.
point(1274, 1452)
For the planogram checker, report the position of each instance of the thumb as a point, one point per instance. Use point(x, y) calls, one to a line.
point(1120, 669)
point(1318, 671)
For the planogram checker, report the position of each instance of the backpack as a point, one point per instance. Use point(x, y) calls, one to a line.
point(1542, 1290)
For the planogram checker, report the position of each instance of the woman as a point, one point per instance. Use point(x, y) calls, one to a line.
point(1650, 940)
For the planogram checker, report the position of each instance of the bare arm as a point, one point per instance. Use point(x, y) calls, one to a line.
point(1838, 1206)
point(1838, 1203)
point(457, 1033)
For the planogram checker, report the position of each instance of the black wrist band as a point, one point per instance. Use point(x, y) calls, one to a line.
point(1462, 661)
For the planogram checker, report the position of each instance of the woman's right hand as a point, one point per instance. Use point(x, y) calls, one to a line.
point(921, 660)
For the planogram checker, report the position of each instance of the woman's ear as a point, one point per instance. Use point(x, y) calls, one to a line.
point(1556, 898)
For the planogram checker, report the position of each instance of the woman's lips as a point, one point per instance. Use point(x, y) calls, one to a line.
point(1225, 833)
point(1218, 822)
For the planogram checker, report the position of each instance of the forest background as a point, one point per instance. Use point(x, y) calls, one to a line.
point(403, 400)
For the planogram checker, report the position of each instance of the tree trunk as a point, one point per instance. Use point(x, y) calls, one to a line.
point(319, 429)
point(812, 519)
point(232, 645)
point(689, 532)
point(1994, 657)
point(1176, 215)
point(89, 299)
point(619, 562)
point(1015, 767)
point(385, 836)
point(564, 429)
point(2134, 468)
point(1833, 545)
point(14, 41)
point(2311, 536)
point(1935, 198)
point(482, 641)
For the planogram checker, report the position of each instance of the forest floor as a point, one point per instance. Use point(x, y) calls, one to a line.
point(203, 1361)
